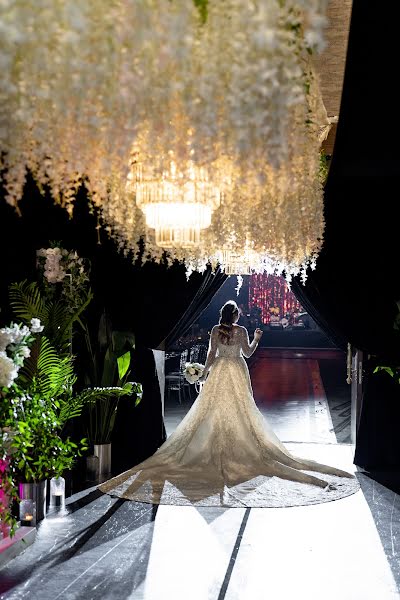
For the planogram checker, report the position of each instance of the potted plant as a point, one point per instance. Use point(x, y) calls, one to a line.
point(8, 490)
point(37, 380)
point(37, 400)
point(109, 367)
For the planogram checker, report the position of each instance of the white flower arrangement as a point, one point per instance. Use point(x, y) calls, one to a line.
point(60, 266)
point(193, 371)
point(58, 262)
point(14, 348)
point(8, 370)
point(53, 271)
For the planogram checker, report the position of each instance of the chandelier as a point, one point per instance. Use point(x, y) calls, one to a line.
point(177, 205)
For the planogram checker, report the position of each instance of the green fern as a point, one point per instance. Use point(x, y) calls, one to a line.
point(45, 372)
point(27, 303)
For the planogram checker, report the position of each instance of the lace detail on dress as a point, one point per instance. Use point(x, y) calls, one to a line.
point(238, 346)
point(224, 452)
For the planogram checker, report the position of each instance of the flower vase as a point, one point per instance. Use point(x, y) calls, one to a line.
point(103, 452)
point(57, 492)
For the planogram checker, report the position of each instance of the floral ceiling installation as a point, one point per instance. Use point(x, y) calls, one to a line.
point(213, 105)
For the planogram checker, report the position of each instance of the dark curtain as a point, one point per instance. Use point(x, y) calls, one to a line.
point(211, 283)
point(353, 291)
point(147, 299)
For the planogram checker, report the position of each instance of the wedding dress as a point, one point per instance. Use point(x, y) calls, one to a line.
point(224, 453)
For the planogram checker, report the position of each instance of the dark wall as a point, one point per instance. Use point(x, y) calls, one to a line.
point(353, 292)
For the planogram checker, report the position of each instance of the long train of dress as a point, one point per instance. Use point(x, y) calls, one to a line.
point(225, 453)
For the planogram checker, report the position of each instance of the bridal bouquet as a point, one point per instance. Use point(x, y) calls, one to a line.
point(193, 371)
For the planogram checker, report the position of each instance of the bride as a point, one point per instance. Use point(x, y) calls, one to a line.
point(224, 452)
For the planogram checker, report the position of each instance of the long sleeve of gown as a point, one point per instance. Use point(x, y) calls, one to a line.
point(212, 350)
point(247, 348)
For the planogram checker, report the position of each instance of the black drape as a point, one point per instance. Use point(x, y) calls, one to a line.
point(147, 299)
point(353, 291)
point(211, 282)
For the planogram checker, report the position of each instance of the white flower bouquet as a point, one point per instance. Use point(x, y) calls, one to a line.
point(193, 371)
point(14, 348)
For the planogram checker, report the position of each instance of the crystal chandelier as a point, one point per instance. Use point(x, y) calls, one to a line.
point(178, 205)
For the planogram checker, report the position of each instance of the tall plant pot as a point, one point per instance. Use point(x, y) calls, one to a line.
point(36, 492)
point(103, 452)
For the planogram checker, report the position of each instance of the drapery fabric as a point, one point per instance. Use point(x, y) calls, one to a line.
point(210, 284)
point(353, 292)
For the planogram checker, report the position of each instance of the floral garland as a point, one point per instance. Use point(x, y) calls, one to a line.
point(88, 84)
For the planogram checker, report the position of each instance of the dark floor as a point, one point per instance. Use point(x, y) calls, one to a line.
point(333, 375)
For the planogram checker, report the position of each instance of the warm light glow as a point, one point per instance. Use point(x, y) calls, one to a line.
point(176, 223)
point(200, 119)
point(246, 262)
point(238, 264)
point(178, 205)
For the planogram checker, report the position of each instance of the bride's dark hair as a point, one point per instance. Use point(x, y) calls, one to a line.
point(228, 315)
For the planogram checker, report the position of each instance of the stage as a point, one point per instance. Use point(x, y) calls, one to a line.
point(292, 338)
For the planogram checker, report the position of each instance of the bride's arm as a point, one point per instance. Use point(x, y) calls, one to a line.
point(212, 352)
point(247, 348)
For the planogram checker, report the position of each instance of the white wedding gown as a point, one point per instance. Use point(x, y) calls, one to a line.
point(224, 453)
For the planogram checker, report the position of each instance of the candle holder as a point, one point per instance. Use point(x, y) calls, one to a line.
point(27, 513)
point(57, 491)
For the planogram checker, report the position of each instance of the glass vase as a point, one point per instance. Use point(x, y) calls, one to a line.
point(57, 491)
point(27, 513)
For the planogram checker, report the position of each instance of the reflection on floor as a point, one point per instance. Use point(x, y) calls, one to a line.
point(289, 391)
point(107, 548)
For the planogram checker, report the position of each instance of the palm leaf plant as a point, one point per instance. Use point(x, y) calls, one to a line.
point(109, 371)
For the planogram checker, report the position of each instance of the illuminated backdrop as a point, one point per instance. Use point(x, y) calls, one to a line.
point(271, 291)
